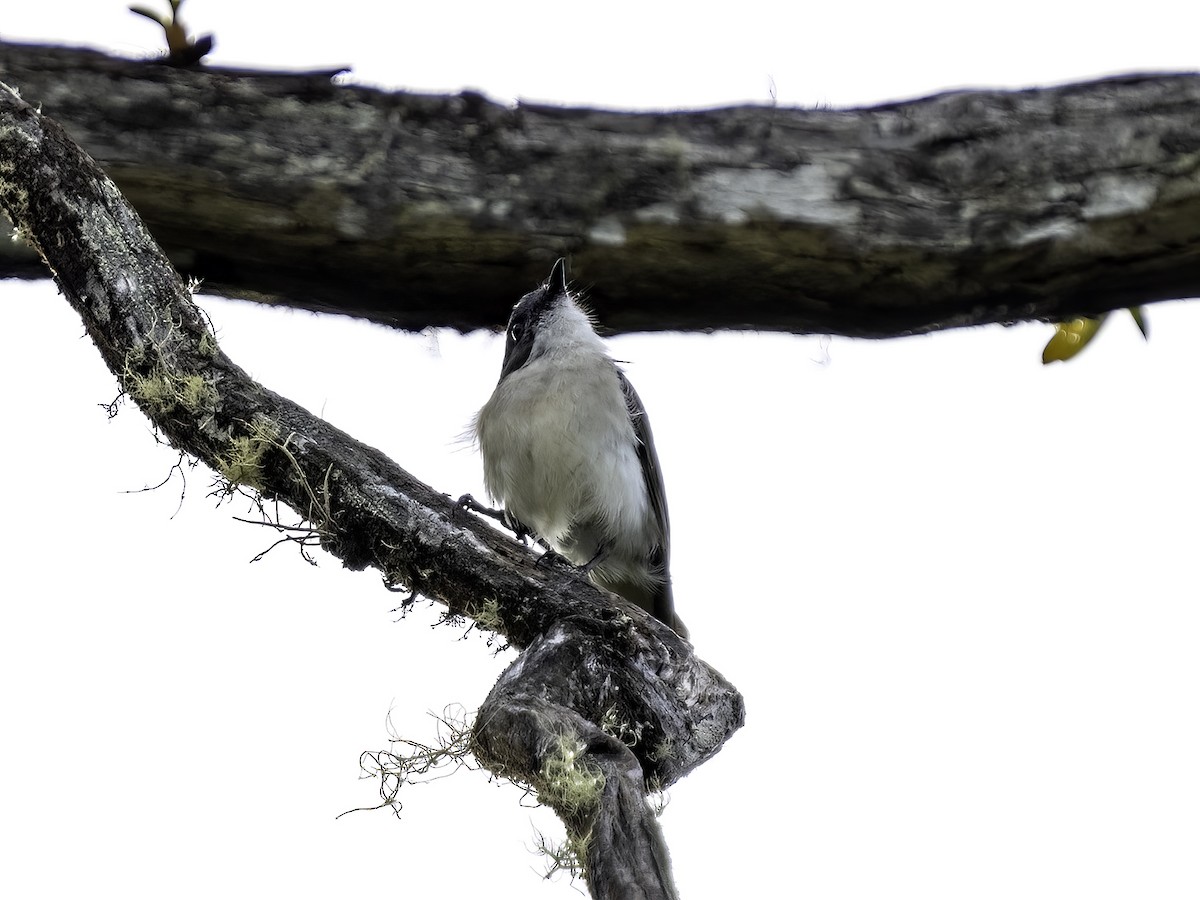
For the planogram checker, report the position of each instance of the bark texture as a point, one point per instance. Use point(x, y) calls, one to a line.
point(593, 661)
point(960, 209)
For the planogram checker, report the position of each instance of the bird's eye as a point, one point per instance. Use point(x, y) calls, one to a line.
point(515, 330)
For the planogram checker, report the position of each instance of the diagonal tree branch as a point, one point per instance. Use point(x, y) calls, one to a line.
point(592, 657)
point(964, 208)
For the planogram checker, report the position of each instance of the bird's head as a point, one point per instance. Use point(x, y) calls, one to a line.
point(546, 320)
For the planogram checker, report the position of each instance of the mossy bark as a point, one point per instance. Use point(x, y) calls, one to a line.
point(964, 208)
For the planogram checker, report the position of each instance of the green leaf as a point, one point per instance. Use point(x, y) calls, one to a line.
point(149, 14)
point(1140, 318)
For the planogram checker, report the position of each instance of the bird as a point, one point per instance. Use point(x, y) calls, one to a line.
point(568, 451)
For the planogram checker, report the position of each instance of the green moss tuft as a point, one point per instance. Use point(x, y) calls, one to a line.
point(488, 616)
point(208, 345)
point(243, 464)
point(568, 783)
point(153, 391)
point(196, 394)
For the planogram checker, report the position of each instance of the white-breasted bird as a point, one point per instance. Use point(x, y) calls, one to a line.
point(567, 450)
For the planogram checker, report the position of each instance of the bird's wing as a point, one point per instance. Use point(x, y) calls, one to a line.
point(651, 471)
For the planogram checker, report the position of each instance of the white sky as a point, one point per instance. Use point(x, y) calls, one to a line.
point(957, 589)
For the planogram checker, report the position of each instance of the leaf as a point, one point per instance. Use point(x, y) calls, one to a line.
point(149, 14)
point(1140, 318)
point(1070, 338)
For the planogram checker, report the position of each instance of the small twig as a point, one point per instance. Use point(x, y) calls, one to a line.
point(178, 467)
point(423, 761)
point(306, 529)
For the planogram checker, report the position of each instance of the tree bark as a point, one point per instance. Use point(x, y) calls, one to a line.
point(964, 208)
point(592, 660)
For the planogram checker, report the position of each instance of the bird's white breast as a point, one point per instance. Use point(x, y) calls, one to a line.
point(560, 453)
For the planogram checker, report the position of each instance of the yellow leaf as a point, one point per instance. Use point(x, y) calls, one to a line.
point(1071, 337)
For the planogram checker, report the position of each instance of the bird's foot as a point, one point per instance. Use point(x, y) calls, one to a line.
point(601, 553)
point(505, 518)
point(554, 558)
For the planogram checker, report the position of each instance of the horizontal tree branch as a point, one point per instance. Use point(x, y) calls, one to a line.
point(960, 209)
point(364, 508)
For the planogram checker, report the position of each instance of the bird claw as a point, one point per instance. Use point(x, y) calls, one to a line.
point(554, 558)
point(503, 516)
point(601, 553)
point(467, 502)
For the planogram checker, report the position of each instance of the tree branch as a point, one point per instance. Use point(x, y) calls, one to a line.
point(370, 512)
point(530, 723)
point(960, 209)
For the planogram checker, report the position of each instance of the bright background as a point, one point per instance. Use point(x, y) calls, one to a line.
point(957, 589)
